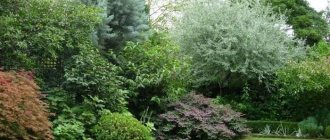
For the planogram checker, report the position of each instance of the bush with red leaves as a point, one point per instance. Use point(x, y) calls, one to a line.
point(195, 117)
point(23, 115)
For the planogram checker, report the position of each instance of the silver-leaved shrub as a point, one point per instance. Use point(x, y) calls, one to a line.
point(233, 42)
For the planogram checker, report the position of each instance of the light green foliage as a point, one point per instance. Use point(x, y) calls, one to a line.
point(90, 74)
point(310, 127)
point(115, 126)
point(157, 70)
point(305, 77)
point(321, 50)
point(232, 42)
point(304, 87)
point(46, 30)
point(69, 129)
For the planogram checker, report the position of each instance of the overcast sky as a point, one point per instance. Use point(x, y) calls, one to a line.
point(318, 4)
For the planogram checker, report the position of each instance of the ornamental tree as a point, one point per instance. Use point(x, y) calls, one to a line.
point(233, 42)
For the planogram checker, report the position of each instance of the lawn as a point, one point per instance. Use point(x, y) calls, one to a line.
point(259, 138)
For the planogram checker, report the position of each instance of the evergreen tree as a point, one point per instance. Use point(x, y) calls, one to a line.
point(305, 21)
point(124, 20)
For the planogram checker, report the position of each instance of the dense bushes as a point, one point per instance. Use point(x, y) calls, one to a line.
point(23, 115)
point(115, 126)
point(305, 86)
point(233, 42)
point(41, 31)
point(90, 74)
point(157, 72)
point(195, 117)
point(310, 127)
point(327, 132)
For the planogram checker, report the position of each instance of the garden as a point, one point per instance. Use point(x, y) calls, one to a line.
point(164, 70)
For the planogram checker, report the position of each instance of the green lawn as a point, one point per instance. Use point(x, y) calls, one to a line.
point(256, 138)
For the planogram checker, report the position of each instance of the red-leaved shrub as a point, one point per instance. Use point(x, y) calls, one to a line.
point(23, 115)
point(195, 117)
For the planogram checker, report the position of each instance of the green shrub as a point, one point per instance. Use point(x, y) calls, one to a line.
point(310, 127)
point(115, 126)
point(327, 132)
point(195, 117)
point(69, 130)
point(305, 87)
point(322, 49)
point(157, 72)
point(233, 42)
point(45, 30)
point(89, 74)
point(258, 126)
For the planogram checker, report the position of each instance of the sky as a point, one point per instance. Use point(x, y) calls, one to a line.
point(318, 5)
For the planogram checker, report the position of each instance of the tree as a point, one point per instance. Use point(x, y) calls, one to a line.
point(233, 42)
point(124, 20)
point(305, 21)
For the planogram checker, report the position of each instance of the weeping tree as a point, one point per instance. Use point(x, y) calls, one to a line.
point(123, 20)
point(233, 42)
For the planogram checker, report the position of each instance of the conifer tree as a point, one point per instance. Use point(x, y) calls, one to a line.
point(124, 20)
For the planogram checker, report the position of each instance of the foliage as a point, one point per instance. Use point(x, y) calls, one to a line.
point(229, 52)
point(90, 74)
point(305, 86)
point(23, 115)
point(130, 21)
point(195, 117)
point(156, 70)
point(321, 50)
point(310, 127)
point(257, 126)
point(46, 30)
point(327, 132)
point(69, 129)
point(7, 6)
point(305, 21)
point(115, 126)
point(123, 20)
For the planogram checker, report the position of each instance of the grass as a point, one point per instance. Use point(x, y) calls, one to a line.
point(260, 138)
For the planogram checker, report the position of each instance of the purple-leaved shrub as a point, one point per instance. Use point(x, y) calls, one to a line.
point(196, 117)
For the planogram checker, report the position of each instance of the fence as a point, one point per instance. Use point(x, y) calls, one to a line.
point(51, 71)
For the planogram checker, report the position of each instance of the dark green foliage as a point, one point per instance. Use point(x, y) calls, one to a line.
point(258, 126)
point(38, 32)
point(115, 126)
point(195, 117)
point(8, 6)
point(305, 21)
point(90, 74)
point(156, 73)
point(310, 127)
point(327, 132)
